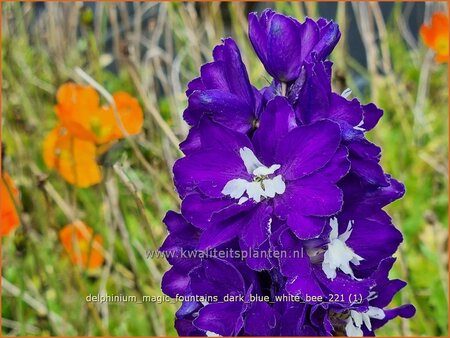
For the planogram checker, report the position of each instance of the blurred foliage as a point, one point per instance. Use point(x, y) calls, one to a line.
point(152, 54)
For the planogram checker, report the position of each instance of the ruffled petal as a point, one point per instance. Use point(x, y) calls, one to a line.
point(260, 320)
point(216, 277)
point(307, 149)
point(277, 120)
point(224, 319)
point(223, 107)
point(309, 196)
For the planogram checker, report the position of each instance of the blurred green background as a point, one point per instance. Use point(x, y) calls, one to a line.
point(152, 50)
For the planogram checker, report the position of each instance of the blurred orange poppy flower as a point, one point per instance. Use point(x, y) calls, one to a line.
point(9, 216)
point(84, 249)
point(73, 158)
point(78, 108)
point(436, 36)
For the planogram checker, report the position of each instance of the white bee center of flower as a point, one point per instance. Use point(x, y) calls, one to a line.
point(339, 255)
point(356, 320)
point(262, 186)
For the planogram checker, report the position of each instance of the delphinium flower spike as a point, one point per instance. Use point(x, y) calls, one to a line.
point(288, 169)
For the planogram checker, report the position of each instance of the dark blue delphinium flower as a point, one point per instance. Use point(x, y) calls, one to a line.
point(284, 171)
point(363, 318)
point(288, 169)
point(312, 99)
point(283, 44)
point(222, 89)
point(183, 236)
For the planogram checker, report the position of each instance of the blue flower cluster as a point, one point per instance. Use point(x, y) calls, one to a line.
point(283, 169)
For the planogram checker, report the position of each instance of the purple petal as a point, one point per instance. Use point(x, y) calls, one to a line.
point(306, 227)
point(380, 275)
point(372, 115)
point(257, 31)
point(312, 97)
point(214, 77)
point(361, 200)
point(216, 277)
point(228, 223)
point(309, 32)
point(223, 91)
point(174, 222)
point(369, 170)
point(260, 320)
point(283, 44)
point(373, 238)
point(344, 285)
point(309, 196)
point(329, 37)
point(192, 141)
point(176, 281)
point(284, 57)
point(195, 84)
point(338, 167)
point(387, 293)
point(219, 233)
point(307, 149)
point(198, 209)
point(185, 328)
point(224, 319)
point(214, 136)
point(182, 235)
point(234, 74)
point(303, 283)
point(297, 267)
point(364, 149)
point(208, 171)
point(385, 289)
point(293, 319)
point(187, 309)
point(257, 228)
point(343, 110)
point(214, 163)
point(320, 319)
point(225, 108)
point(404, 311)
point(276, 40)
point(259, 261)
point(276, 121)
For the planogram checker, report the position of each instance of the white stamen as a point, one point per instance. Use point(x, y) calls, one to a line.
point(262, 186)
point(235, 188)
point(356, 319)
point(242, 200)
point(264, 171)
point(339, 255)
point(359, 126)
point(346, 93)
point(255, 191)
point(274, 186)
point(372, 295)
point(250, 160)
